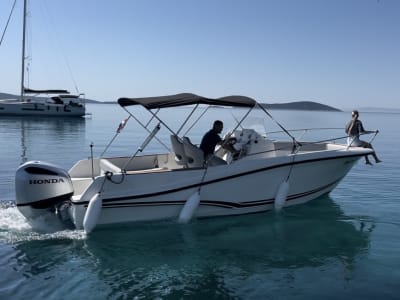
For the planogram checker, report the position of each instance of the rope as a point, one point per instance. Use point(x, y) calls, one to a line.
point(8, 21)
point(55, 38)
point(109, 176)
point(204, 175)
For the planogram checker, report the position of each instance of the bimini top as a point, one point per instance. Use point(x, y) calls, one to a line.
point(186, 99)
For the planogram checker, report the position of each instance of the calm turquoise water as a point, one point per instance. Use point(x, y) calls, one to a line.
point(342, 246)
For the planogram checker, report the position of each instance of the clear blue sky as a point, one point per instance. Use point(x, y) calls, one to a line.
point(343, 53)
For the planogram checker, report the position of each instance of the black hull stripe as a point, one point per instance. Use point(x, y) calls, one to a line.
point(47, 203)
point(105, 200)
point(224, 204)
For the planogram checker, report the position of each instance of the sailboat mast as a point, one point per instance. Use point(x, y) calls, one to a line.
point(23, 53)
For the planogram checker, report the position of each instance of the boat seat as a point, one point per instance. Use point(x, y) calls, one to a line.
point(178, 148)
point(194, 154)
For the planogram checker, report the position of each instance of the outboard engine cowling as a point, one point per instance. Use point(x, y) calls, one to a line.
point(40, 187)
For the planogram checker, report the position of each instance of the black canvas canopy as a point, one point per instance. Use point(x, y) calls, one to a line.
point(186, 99)
point(31, 91)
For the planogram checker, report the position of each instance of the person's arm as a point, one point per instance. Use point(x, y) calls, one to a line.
point(362, 130)
point(228, 143)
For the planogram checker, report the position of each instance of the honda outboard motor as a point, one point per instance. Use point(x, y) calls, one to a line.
point(40, 188)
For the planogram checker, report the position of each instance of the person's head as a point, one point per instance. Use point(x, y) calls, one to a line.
point(218, 126)
point(354, 114)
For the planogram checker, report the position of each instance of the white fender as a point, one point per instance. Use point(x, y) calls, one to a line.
point(281, 195)
point(92, 213)
point(189, 208)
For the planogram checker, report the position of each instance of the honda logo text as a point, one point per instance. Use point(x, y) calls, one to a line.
point(46, 181)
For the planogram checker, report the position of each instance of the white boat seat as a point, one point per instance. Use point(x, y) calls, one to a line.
point(194, 154)
point(178, 148)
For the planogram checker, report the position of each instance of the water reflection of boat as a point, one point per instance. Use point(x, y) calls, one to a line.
point(38, 131)
point(202, 255)
point(303, 236)
point(30, 137)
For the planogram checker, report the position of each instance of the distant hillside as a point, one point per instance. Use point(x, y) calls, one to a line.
point(100, 102)
point(301, 105)
point(7, 96)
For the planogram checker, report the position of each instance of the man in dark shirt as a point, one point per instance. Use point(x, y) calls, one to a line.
point(212, 138)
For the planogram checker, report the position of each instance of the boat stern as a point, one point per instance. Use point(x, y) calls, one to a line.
point(40, 188)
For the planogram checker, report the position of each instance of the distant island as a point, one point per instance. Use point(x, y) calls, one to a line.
point(299, 105)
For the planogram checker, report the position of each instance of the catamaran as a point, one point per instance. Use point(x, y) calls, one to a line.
point(29, 103)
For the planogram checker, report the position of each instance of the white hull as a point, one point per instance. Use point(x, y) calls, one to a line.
point(247, 186)
point(16, 108)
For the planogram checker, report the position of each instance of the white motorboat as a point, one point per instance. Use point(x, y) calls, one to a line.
point(62, 104)
point(179, 184)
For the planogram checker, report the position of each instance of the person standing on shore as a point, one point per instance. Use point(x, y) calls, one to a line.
point(353, 129)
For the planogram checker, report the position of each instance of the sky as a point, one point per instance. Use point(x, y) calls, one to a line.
point(342, 53)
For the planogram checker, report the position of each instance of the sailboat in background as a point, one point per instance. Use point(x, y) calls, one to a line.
point(62, 103)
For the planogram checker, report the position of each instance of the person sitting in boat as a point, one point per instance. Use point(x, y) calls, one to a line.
point(353, 129)
point(211, 139)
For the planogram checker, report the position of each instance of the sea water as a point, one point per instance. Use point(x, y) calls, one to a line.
point(344, 245)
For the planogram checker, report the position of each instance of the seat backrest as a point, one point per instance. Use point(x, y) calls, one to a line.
point(178, 148)
point(194, 154)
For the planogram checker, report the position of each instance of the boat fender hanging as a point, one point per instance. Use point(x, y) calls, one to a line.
point(92, 213)
point(189, 208)
point(281, 195)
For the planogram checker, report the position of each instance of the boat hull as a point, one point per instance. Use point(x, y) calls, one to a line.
point(241, 188)
point(15, 108)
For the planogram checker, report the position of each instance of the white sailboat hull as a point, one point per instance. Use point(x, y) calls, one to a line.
point(17, 108)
